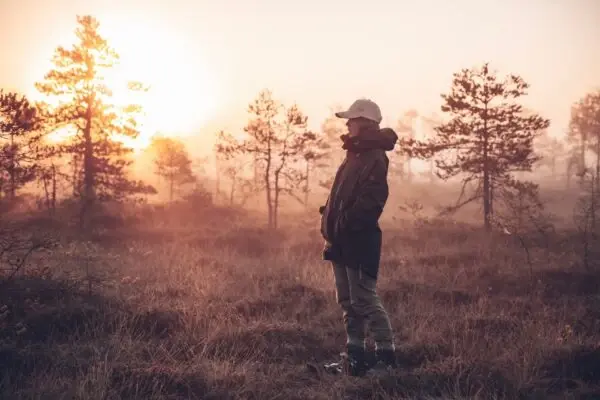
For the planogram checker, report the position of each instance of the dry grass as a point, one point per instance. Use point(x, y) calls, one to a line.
point(236, 313)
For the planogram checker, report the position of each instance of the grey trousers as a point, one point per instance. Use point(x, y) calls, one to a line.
point(362, 308)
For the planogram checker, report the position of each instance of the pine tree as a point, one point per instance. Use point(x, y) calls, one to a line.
point(584, 130)
point(20, 142)
point(488, 136)
point(98, 157)
point(172, 163)
point(584, 134)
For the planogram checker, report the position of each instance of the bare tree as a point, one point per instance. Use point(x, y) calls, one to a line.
point(233, 165)
point(274, 137)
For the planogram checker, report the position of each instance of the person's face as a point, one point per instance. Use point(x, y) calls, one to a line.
point(354, 126)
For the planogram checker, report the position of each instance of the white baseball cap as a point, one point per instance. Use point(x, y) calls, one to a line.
point(364, 108)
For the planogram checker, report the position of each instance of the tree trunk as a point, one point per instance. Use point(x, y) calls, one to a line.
point(46, 191)
point(486, 200)
point(306, 184)
point(520, 212)
point(595, 187)
point(53, 200)
point(486, 178)
point(268, 193)
point(570, 164)
point(593, 207)
point(75, 176)
point(267, 177)
point(491, 197)
point(268, 166)
point(276, 200)
point(88, 167)
point(12, 170)
point(582, 164)
point(598, 160)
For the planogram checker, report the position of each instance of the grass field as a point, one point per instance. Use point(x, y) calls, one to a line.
point(227, 311)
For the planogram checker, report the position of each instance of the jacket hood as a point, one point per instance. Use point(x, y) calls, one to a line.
point(383, 139)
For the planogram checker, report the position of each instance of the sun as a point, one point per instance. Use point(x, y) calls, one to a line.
point(183, 93)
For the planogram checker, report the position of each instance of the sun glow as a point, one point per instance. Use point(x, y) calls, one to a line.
point(182, 93)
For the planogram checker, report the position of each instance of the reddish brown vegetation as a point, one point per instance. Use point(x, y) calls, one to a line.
point(231, 311)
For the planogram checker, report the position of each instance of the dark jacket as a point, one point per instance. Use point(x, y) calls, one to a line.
point(350, 218)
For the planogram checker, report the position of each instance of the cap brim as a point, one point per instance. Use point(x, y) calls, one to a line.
point(343, 114)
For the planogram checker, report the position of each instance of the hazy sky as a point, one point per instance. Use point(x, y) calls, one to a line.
point(399, 53)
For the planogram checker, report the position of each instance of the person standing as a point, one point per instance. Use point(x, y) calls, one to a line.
point(350, 227)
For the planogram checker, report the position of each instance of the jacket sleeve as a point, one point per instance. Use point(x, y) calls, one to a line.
point(372, 194)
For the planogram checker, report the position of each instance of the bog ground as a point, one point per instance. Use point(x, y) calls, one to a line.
point(228, 311)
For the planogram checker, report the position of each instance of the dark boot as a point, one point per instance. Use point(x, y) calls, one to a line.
point(357, 365)
point(386, 362)
point(386, 357)
point(353, 362)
